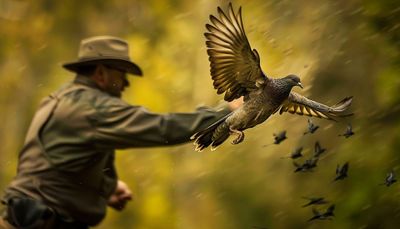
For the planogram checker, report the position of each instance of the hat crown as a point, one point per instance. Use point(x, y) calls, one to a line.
point(103, 47)
point(104, 50)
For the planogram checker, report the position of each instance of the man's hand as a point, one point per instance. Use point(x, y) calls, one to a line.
point(235, 104)
point(120, 197)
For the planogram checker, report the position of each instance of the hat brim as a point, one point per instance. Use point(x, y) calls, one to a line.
point(127, 65)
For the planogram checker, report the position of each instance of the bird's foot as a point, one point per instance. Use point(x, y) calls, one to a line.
point(239, 138)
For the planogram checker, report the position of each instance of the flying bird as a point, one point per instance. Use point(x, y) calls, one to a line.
point(349, 131)
point(314, 201)
point(236, 72)
point(318, 150)
point(341, 172)
point(311, 127)
point(328, 214)
point(280, 137)
point(308, 165)
point(296, 153)
point(390, 179)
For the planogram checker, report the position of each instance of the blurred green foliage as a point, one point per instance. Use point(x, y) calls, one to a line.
point(338, 47)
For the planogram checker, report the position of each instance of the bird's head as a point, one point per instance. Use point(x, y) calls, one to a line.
point(293, 80)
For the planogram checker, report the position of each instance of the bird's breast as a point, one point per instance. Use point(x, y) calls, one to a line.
point(252, 113)
point(275, 93)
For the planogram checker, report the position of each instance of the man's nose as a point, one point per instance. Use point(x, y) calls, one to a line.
point(126, 82)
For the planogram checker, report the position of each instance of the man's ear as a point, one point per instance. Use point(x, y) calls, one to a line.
point(100, 75)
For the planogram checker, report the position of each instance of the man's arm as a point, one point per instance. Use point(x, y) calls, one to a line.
point(120, 125)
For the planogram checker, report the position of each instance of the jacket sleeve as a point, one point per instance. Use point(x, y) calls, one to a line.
point(110, 177)
point(119, 125)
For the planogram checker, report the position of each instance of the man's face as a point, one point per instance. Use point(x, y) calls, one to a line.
point(115, 81)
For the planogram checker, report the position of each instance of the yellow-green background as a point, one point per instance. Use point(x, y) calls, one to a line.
point(337, 47)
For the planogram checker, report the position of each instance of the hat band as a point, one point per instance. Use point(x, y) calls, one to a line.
point(104, 57)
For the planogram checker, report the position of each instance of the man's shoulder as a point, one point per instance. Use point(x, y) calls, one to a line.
point(82, 94)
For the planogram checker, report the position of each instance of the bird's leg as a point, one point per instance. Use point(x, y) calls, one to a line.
point(240, 136)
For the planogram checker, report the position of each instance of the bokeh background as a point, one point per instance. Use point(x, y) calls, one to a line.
point(337, 47)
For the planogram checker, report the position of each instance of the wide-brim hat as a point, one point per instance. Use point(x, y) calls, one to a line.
point(108, 50)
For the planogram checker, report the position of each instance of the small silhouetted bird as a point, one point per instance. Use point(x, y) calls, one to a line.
point(349, 131)
point(308, 165)
point(328, 214)
point(296, 153)
point(318, 150)
point(314, 201)
point(280, 137)
point(390, 179)
point(236, 71)
point(311, 127)
point(341, 172)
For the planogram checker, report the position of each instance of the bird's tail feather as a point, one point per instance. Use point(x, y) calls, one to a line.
point(220, 135)
point(213, 135)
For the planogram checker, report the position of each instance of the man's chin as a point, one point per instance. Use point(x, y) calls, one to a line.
point(115, 94)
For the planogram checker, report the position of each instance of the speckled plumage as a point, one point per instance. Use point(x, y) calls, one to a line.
point(236, 72)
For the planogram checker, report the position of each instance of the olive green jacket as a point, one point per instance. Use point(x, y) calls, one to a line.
point(68, 156)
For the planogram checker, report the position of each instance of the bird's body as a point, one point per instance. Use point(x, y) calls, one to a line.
point(349, 132)
point(259, 105)
point(341, 172)
point(390, 179)
point(296, 153)
point(308, 165)
point(311, 127)
point(279, 137)
point(318, 150)
point(236, 72)
point(328, 214)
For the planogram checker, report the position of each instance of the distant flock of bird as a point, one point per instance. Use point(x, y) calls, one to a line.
point(309, 164)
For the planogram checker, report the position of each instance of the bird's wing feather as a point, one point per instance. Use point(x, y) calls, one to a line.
point(392, 175)
point(317, 147)
point(345, 167)
point(331, 208)
point(298, 104)
point(235, 67)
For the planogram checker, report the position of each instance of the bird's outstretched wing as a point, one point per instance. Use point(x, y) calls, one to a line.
point(235, 67)
point(345, 167)
point(298, 104)
point(337, 169)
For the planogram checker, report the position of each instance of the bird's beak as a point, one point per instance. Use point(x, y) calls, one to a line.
point(300, 85)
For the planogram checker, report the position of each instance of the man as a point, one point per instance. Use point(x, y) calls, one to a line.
point(66, 175)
